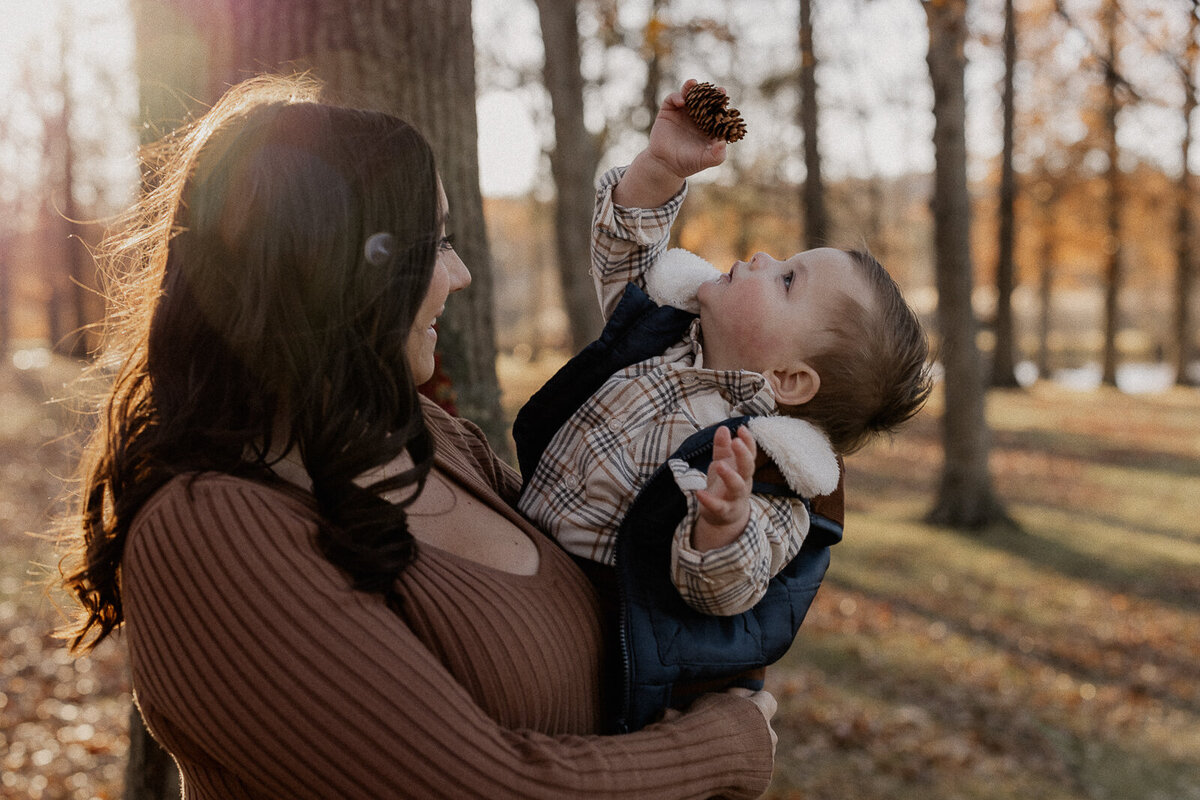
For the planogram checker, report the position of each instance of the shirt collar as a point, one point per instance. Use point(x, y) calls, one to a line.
point(750, 392)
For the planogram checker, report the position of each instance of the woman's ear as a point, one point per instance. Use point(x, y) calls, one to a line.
point(795, 385)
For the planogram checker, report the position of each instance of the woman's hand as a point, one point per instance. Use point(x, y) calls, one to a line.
point(765, 702)
point(767, 705)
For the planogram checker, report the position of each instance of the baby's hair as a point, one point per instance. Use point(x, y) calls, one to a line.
point(875, 375)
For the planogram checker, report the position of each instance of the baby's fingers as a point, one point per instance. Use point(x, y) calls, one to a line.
point(676, 99)
point(722, 444)
point(744, 451)
point(715, 506)
point(725, 481)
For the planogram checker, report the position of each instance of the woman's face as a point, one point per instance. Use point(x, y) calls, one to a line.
point(449, 275)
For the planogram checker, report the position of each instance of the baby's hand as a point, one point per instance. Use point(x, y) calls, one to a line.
point(677, 143)
point(725, 502)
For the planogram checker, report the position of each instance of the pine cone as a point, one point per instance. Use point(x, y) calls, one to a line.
point(708, 108)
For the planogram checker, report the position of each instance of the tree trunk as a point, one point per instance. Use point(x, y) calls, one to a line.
point(1112, 278)
point(150, 772)
point(965, 499)
point(1046, 283)
point(427, 46)
point(655, 49)
point(816, 220)
point(5, 295)
point(70, 310)
point(573, 164)
point(53, 239)
point(1004, 353)
point(1185, 263)
point(74, 253)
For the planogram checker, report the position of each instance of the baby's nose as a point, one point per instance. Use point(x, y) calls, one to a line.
point(760, 260)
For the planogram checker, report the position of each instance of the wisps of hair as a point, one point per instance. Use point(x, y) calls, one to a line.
point(245, 323)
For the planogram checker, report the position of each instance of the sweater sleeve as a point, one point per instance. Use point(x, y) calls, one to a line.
point(253, 658)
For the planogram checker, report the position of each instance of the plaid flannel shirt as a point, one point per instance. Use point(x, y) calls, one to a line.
point(597, 462)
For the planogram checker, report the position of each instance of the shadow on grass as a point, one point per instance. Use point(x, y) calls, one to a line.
point(1155, 578)
point(1031, 651)
point(1091, 764)
point(1081, 447)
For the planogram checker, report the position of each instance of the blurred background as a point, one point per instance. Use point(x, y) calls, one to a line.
point(1014, 610)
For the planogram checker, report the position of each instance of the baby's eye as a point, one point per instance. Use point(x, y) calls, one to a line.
point(446, 243)
point(787, 279)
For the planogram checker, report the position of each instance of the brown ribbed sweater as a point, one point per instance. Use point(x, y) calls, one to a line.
point(265, 675)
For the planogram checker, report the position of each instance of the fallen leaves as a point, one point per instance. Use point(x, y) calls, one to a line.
point(63, 719)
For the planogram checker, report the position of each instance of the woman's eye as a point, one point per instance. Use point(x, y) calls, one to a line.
point(787, 280)
point(447, 243)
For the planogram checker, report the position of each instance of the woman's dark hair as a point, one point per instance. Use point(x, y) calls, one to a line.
point(247, 323)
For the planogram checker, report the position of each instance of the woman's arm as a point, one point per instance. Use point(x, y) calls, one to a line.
point(252, 658)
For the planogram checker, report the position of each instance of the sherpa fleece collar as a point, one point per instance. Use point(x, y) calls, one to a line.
point(675, 278)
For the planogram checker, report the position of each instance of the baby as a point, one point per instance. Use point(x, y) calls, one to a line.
point(819, 350)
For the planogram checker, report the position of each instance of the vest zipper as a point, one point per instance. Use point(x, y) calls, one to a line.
point(623, 601)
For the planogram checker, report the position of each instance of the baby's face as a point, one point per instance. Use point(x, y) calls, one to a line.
point(766, 314)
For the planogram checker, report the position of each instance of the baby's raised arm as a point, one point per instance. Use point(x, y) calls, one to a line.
point(677, 149)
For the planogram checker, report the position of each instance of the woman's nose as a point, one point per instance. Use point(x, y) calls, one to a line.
point(460, 276)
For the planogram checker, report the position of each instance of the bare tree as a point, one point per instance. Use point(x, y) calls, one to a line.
point(655, 49)
point(5, 293)
point(9, 206)
point(965, 498)
point(1112, 277)
point(573, 165)
point(55, 156)
point(1047, 201)
point(816, 220)
point(1185, 239)
point(75, 256)
point(1004, 351)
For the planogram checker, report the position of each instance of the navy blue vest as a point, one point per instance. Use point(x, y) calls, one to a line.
point(661, 652)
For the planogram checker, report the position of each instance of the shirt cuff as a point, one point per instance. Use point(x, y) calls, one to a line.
point(643, 226)
point(725, 580)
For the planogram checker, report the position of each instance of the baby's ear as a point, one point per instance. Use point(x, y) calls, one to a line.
point(795, 385)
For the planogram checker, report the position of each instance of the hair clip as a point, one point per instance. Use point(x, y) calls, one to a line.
point(379, 248)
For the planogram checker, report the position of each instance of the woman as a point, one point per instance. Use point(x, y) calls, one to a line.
point(324, 587)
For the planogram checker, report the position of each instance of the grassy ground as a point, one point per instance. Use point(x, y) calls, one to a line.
point(1058, 661)
point(1054, 661)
